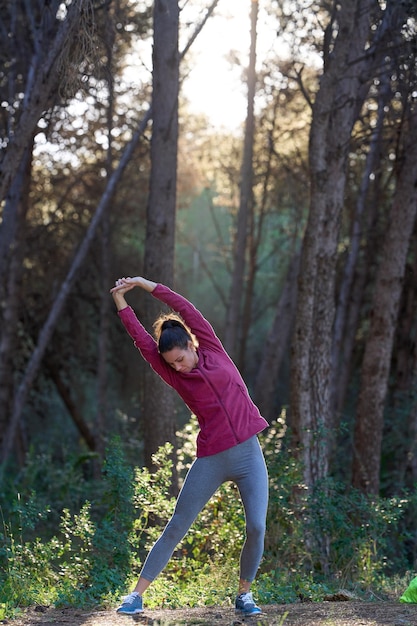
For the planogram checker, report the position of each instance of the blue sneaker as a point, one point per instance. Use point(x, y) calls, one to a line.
point(131, 604)
point(245, 604)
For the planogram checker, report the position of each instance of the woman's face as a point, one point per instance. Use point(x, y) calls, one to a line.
point(182, 359)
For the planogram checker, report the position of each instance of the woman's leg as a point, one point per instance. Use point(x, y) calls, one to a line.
point(243, 464)
point(204, 477)
point(252, 483)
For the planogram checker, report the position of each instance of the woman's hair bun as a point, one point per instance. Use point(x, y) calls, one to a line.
point(171, 332)
point(171, 323)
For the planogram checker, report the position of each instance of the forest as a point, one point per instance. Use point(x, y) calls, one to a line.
point(295, 234)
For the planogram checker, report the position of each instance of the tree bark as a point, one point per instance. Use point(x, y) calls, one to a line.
point(342, 89)
point(377, 357)
point(159, 424)
point(16, 207)
point(340, 351)
point(233, 317)
point(105, 240)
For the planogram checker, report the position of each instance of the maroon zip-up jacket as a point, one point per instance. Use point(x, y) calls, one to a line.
point(214, 390)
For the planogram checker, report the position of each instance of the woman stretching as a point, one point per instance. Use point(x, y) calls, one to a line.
point(189, 357)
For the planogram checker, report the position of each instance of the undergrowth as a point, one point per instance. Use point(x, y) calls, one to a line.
point(89, 555)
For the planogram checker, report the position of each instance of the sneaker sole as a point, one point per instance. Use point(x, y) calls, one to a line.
point(135, 612)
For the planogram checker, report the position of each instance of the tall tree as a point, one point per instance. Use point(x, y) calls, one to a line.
point(105, 232)
point(159, 422)
point(385, 306)
point(343, 86)
point(233, 317)
point(353, 281)
point(53, 317)
point(45, 32)
point(16, 206)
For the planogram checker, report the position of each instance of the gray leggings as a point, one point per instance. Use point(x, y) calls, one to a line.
point(244, 465)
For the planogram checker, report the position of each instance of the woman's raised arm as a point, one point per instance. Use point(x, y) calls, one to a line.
point(123, 285)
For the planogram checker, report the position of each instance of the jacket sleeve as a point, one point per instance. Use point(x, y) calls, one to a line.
point(145, 343)
point(198, 324)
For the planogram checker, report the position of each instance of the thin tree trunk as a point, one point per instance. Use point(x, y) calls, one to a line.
point(159, 423)
point(16, 208)
point(340, 365)
point(246, 202)
point(276, 344)
point(361, 280)
point(398, 468)
point(255, 237)
point(105, 274)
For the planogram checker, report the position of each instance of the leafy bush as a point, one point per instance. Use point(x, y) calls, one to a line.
point(316, 541)
point(85, 559)
point(329, 532)
point(217, 533)
point(100, 548)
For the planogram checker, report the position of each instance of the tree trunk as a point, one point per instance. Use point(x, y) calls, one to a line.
point(16, 207)
point(233, 317)
point(7, 168)
point(159, 424)
point(334, 113)
point(340, 351)
point(257, 221)
point(377, 357)
point(276, 345)
point(400, 433)
point(105, 245)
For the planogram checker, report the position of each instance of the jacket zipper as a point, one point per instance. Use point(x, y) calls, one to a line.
point(221, 404)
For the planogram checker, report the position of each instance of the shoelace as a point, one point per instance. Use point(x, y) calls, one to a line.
point(246, 597)
point(130, 598)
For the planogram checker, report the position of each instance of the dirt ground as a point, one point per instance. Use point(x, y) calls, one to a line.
point(346, 613)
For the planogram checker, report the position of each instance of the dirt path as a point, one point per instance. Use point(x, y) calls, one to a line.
point(350, 613)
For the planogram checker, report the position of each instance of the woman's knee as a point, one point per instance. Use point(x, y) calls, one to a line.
point(176, 528)
point(255, 530)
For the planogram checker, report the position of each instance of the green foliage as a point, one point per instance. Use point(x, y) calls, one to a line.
point(40, 491)
point(287, 586)
point(316, 542)
point(86, 560)
point(359, 531)
point(331, 532)
point(216, 535)
point(100, 548)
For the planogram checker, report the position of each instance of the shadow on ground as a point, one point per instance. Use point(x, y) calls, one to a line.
point(350, 613)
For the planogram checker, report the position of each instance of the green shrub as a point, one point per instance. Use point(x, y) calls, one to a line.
point(316, 541)
point(86, 560)
point(218, 532)
point(329, 532)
